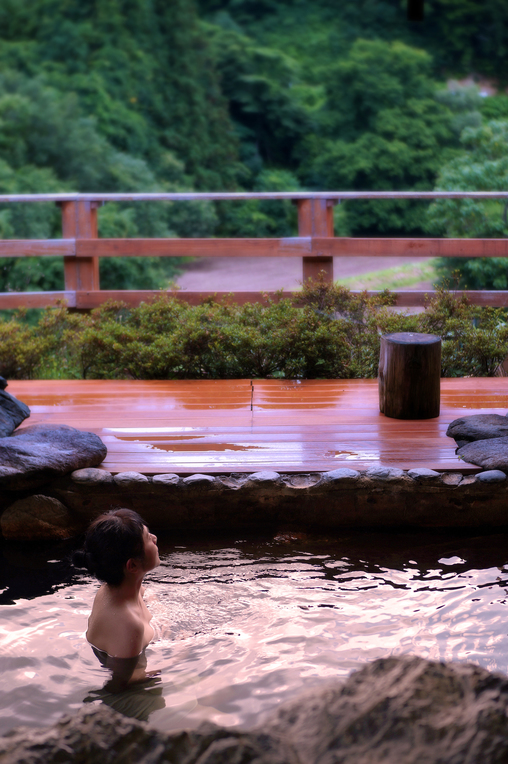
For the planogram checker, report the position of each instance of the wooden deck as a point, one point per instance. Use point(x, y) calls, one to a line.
point(222, 426)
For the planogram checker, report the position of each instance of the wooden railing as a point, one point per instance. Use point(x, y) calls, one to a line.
point(315, 244)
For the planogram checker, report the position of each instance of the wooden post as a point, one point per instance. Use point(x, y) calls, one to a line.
point(315, 218)
point(410, 375)
point(79, 221)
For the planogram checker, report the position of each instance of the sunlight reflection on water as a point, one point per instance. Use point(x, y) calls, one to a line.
point(243, 626)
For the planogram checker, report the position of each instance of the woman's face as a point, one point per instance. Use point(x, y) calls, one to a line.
point(150, 550)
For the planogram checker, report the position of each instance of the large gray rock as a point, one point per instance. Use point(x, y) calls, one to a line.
point(35, 455)
point(404, 710)
point(491, 454)
point(12, 413)
point(103, 736)
point(394, 711)
point(478, 427)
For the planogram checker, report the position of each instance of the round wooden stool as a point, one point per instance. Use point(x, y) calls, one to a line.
point(409, 375)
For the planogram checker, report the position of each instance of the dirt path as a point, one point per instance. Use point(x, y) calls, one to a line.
point(224, 274)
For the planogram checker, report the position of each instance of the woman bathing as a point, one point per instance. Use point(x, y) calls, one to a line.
point(119, 550)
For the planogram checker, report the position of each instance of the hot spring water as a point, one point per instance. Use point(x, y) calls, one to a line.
point(243, 625)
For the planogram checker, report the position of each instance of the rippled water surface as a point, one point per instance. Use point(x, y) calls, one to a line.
point(243, 625)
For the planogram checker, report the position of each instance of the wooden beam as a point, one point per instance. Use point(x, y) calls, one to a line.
point(92, 299)
point(301, 246)
point(406, 299)
point(307, 247)
point(13, 300)
point(36, 247)
point(493, 299)
point(287, 247)
point(89, 300)
point(350, 247)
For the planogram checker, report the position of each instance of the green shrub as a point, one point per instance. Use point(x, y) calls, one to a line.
point(474, 339)
point(20, 350)
point(324, 331)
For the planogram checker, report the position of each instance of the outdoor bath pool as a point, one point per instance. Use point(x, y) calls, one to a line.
point(244, 624)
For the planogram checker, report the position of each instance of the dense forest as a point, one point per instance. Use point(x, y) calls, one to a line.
point(145, 95)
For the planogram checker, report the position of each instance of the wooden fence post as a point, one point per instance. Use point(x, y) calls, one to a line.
point(79, 221)
point(315, 218)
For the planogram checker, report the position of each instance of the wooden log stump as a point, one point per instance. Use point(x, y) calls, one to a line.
point(409, 375)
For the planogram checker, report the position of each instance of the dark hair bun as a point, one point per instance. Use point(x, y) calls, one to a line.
point(81, 559)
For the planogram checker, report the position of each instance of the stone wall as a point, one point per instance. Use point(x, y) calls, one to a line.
point(378, 497)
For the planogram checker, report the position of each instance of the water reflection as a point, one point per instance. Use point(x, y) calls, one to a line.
point(137, 701)
point(242, 625)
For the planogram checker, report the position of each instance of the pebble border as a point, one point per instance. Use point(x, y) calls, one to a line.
point(343, 475)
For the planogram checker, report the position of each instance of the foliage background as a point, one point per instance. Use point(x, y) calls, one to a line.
point(124, 95)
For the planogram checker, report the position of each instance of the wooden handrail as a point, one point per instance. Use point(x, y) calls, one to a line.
point(315, 244)
point(298, 246)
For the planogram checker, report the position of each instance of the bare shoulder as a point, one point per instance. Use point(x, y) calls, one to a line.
point(116, 628)
point(127, 636)
point(121, 634)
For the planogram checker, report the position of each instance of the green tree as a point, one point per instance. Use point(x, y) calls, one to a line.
point(267, 98)
point(495, 107)
point(262, 218)
point(467, 36)
point(462, 36)
point(145, 72)
point(47, 145)
point(466, 104)
point(482, 166)
point(382, 128)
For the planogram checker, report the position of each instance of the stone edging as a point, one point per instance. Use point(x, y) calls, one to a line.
point(377, 497)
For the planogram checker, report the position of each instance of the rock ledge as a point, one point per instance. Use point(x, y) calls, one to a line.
point(405, 710)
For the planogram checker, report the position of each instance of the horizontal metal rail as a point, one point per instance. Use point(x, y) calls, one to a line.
point(315, 244)
point(231, 196)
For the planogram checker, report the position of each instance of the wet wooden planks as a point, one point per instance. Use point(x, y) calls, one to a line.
point(220, 426)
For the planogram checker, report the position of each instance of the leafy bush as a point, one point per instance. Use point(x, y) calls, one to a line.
point(21, 350)
point(323, 332)
point(474, 339)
